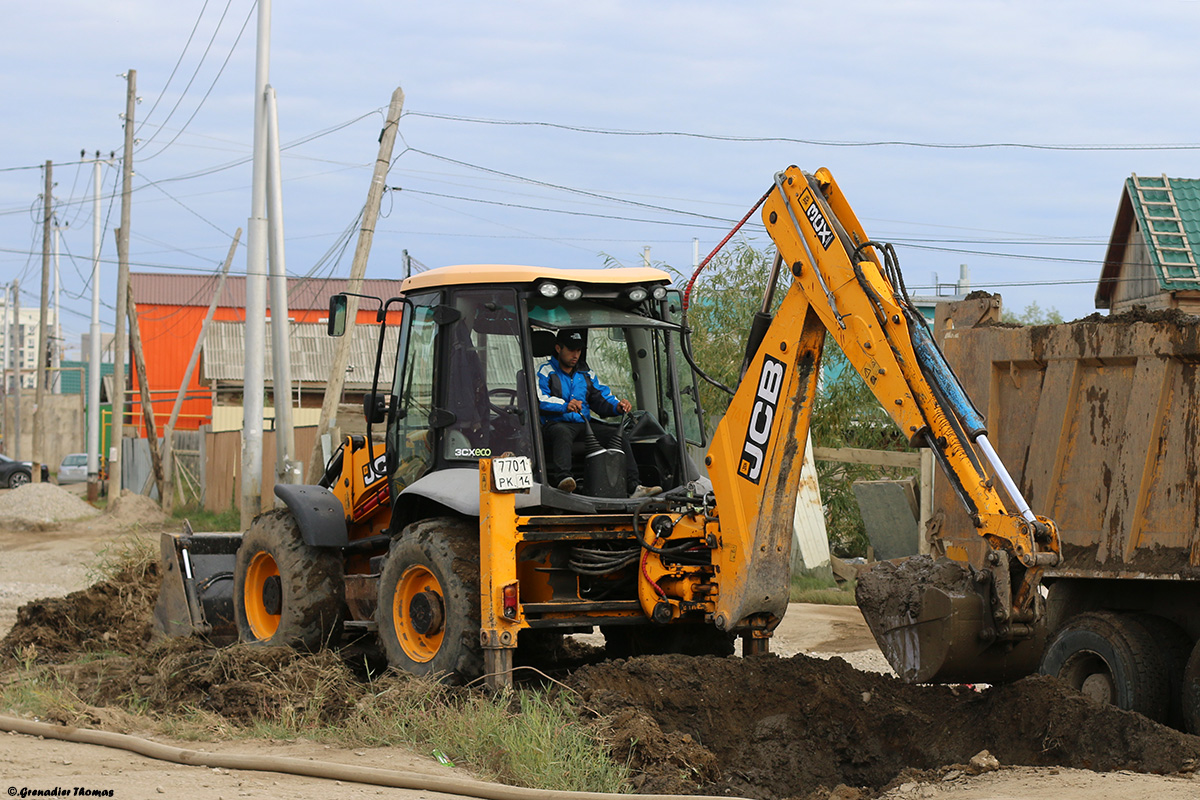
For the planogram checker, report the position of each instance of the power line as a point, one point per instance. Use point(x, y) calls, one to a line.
point(797, 140)
point(178, 62)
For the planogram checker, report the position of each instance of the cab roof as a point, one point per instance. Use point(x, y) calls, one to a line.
point(514, 274)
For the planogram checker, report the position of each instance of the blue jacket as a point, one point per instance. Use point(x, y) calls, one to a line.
point(556, 388)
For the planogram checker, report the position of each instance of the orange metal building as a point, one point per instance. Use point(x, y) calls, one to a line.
point(170, 312)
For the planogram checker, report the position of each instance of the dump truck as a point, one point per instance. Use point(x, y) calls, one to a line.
point(1100, 421)
point(449, 542)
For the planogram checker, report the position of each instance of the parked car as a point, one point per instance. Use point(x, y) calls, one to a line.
point(73, 469)
point(17, 473)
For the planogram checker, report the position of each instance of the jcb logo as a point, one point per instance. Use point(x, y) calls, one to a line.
point(819, 225)
point(762, 419)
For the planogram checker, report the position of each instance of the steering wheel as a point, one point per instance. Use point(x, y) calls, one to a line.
point(509, 396)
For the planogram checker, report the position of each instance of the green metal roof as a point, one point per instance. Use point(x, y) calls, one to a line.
point(1168, 213)
point(74, 381)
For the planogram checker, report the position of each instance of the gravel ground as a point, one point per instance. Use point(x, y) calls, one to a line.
point(41, 504)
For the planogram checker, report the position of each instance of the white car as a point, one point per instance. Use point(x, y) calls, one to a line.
point(73, 469)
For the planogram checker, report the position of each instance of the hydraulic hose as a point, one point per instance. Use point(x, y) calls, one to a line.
point(314, 769)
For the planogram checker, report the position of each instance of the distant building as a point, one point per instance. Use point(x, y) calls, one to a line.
point(943, 293)
point(22, 344)
point(1152, 252)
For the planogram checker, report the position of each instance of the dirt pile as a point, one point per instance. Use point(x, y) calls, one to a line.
point(41, 506)
point(112, 614)
point(787, 727)
point(137, 510)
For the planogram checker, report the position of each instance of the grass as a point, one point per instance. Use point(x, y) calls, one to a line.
point(822, 589)
point(202, 519)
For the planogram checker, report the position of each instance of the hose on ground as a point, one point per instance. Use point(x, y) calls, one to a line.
point(312, 769)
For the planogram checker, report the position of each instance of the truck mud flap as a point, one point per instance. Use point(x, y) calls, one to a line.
point(933, 622)
point(196, 597)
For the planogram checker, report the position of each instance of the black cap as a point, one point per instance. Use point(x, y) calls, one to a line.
point(570, 338)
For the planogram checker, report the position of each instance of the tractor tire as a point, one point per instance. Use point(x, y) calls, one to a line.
point(286, 592)
point(429, 601)
point(1191, 692)
point(1111, 658)
point(627, 641)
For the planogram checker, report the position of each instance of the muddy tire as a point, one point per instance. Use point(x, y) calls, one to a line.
point(429, 605)
point(1111, 658)
point(1174, 647)
point(286, 592)
point(627, 641)
point(1190, 694)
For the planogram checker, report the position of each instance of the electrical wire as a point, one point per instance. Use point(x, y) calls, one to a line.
point(175, 69)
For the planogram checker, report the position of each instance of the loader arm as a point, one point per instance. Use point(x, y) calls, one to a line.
point(847, 286)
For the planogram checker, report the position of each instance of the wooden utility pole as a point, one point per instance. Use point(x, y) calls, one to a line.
point(119, 344)
point(366, 234)
point(43, 348)
point(139, 363)
point(18, 354)
point(168, 434)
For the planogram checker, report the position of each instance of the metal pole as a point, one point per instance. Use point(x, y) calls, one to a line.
point(4, 387)
point(56, 342)
point(119, 336)
point(287, 468)
point(256, 285)
point(94, 357)
point(18, 354)
point(43, 340)
point(358, 268)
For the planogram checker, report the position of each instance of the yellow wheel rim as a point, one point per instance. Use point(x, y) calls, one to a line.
point(262, 622)
point(419, 635)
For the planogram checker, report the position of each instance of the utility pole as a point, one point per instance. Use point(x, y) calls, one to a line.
point(39, 433)
point(4, 389)
point(287, 467)
point(94, 357)
point(119, 344)
point(256, 284)
point(56, 341)
point(358, 268)
point(18, 353)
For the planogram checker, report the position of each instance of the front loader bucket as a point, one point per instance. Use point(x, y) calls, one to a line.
point(933, 622)
point(196, 596)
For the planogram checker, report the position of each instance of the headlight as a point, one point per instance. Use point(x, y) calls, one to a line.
point(637, 294)
point(572, 293)
point(548, 289)
point(658, 292)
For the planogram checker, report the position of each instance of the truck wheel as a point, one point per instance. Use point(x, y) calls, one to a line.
point(429, 603)
point(1191, 692)
point(1174, 647)
point(286, 592)
point(1111, 658)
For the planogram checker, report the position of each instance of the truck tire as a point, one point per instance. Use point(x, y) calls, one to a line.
point(1111, 658)
point(1191, 692)
point(429, 604)
point(286, 592)
point(1174, 647)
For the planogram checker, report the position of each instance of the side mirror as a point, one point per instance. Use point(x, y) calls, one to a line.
point(375, 408)
point(337, 314)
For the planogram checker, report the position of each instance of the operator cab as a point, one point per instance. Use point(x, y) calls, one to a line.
point(464, 382)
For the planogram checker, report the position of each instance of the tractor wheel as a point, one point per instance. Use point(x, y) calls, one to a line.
point(286, 592)
point(429, 604)
point(1111, 658)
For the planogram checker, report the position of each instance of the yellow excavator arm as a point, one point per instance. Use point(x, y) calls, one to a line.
point(850, 288)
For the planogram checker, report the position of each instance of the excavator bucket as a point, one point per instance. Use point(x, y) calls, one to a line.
point(196, 597)
point(933, 621)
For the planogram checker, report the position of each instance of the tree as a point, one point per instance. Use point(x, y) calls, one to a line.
point(845, 413)
point(1033, 315)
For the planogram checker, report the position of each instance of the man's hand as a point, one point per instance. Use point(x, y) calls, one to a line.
point(574, 405)
point(624, 406)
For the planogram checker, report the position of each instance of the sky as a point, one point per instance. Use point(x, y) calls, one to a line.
point(992, 134)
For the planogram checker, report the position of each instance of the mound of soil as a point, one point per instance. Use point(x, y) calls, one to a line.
point(135, 509)
point(41, 506)
point(109, 615)
point(787, 727)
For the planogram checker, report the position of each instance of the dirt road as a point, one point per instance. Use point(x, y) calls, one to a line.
point(40, 563)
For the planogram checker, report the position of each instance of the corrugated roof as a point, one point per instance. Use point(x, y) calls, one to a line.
point(1167, 211)
point(224, 354)
point(172, 289)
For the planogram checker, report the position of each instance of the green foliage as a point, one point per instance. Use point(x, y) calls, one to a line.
point(201, 519)
point(846, 413)
point(1033, 315)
